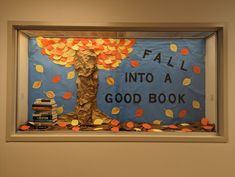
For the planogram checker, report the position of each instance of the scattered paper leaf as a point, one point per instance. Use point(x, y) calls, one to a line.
point(62, 124)
point(187, 81)
point(208, 127)
point(56, 79)
point(115, 129)
point(135, 63)
point(71, 75)
point(146, 126)
point(184, 51)
point(157, 122)
point(50, 94)
point(139, 112)
point(184, 124)
point(98, 122)
point(196, 104)
point(155, 130)
point(130, 124)
point(24, 127)
point(137, 129)
point(67, 95)
point(115, 122)
point(183, 113)
point(37, 84)
point(60, 110)
point(74, 122)
point(186, 130)
point(39, 68)
point(76, 128)
point(196, 69)
point(115, 110)
point(172, 126)
point(98, 129)
point(204, 121)
point(169, 113)
point(173, 47)
point(110, 81)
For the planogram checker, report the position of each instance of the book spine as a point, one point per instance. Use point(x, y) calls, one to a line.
point(43, 108)
point(44, 117)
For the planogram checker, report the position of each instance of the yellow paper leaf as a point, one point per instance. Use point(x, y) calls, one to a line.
point(68, 65)
point(37, 84)
point(155, 130)
point(110, 81)
point(99, 41)
point(187, 81)
point(74, 122)
point(184, 124)
point(60, 110)
point(71, 75)
point(157, 122)
point(115, 110)
point(97, 129)
point(169, 113)
point(39, 39)
point(196, 104)
point(98, 122)
point(39, 68)
point(137, 129)
point(173, 47)
point(130, 50)
point(50, 94)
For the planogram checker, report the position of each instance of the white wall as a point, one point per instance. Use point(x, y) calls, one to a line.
point(118, 159)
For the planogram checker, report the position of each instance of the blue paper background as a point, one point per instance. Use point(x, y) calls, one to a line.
point(152, 111)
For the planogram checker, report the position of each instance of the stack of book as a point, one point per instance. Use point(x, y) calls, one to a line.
point(44, 112)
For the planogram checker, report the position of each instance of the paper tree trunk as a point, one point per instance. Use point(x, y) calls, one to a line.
point(87, 87)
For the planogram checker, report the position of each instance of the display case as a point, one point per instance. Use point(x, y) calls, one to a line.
point(116, 82)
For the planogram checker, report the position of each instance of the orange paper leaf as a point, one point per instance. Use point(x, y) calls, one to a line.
point(62, 124)
point(146, 126)
point(130, 124)
point(56, 79)
point(67, 95)
point(172, 126)
point(114, 122)
point(135, 63)
point(24, 127)
point(186, 130)
point(115, 129)
point(184, 51)
point(76, 129)
point(204, 121)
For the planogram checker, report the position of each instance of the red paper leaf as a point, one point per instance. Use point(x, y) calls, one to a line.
point(183, 113)
point(196, 69)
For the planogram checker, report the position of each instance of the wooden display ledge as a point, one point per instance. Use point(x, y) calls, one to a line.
point(64, 123)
